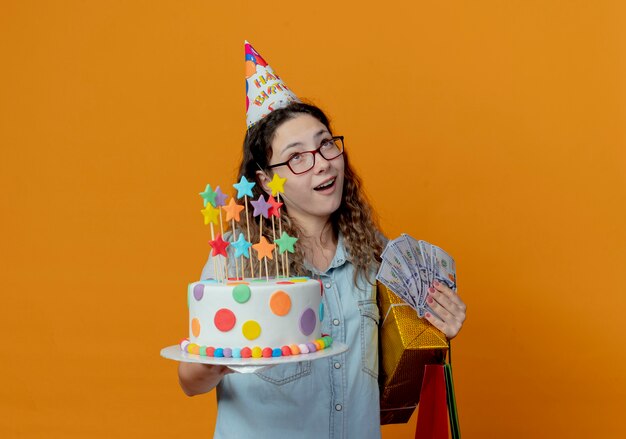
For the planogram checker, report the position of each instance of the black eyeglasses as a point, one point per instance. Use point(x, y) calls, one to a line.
point(303, 161)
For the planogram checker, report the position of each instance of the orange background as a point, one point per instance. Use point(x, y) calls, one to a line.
point(493, 129)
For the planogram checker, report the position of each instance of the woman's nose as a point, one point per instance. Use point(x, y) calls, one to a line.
point(321, 164)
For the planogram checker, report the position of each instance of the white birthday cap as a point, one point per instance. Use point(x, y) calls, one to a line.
point(265, 91)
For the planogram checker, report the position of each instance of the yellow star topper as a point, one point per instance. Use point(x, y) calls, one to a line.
point(277, 185)
point(211, 214)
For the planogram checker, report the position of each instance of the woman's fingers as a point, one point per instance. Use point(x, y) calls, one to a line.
point(452, 297)
point(449, 308)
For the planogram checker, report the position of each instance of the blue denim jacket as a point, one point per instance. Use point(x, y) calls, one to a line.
point(335, 397)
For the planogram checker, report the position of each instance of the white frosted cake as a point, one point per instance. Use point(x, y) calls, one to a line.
point(255, 318)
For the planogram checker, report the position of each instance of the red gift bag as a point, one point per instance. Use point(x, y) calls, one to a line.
point(437, 404)
point(432, 418)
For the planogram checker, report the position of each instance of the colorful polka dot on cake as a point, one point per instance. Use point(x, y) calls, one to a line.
point(251, 330)
point(236, 353)
point(246, 352)
point(195, 327)
point(210, 351)
point(295, 349)
point(267, 352)
point(228, 352)
point(285, 351)
point(224, 320)
point(241, 293)
point(311, 347)
point(198, 292)
point(256, 352)
point(307, 321)
point(280, 303)
point(219, 353)
point(304, 349)
point(277, 352)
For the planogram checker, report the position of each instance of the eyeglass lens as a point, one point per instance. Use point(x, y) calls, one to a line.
point(303, 162)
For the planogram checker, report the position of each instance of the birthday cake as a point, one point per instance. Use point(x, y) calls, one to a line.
point(233, 316)
point(254, 318)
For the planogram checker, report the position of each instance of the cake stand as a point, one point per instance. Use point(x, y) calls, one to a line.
point(250, 365)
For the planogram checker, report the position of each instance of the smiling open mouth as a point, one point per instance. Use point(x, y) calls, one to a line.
point(325, 185)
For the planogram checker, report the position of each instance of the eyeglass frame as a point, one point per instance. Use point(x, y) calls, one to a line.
point(314, 152)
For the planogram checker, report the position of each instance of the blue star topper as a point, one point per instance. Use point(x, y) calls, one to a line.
point(242, 247)
point(244, 187)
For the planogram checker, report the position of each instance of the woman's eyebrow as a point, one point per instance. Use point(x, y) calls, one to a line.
point(317, 135)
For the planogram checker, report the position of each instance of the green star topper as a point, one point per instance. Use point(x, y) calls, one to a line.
point(285, 243)
point(208, 196)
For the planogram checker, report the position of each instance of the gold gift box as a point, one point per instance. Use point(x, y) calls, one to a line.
point(407, 344)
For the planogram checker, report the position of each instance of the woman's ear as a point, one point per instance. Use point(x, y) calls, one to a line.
point(264, 179)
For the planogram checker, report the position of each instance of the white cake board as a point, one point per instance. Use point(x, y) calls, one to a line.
point(250, 365)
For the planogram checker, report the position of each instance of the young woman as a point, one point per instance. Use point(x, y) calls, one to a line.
point(338, 243)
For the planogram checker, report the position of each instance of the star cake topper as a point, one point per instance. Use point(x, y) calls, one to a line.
point(242, 247)
point(264, 249)
point(208, 195)
point(219, 246)
point(277, 185)
point(261, 207)
point(274, 207)
point(211, 214)
point(233, 210)
point(285, 243)
point(244, 187)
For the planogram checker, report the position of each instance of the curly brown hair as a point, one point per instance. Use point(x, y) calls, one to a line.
point(354, 218)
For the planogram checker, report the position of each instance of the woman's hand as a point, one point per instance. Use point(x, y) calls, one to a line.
point(448, 306)
point(197, 378)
